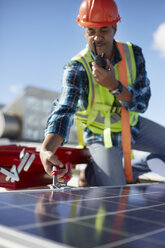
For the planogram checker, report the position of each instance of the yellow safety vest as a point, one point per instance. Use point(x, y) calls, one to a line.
point(103, 113)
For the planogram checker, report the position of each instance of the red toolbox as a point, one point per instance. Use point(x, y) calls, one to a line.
point(21, 167)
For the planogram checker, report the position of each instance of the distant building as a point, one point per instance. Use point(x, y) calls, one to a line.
point(1, 105)
point(25, 118)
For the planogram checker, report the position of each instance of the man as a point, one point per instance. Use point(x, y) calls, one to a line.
point(97, 96)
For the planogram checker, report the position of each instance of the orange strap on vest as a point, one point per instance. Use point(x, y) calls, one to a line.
point(126, 131)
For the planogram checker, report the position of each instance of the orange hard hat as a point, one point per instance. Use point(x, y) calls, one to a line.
point(98, 13)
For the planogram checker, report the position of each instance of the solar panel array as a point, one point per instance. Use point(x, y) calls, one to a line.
point(126, 217)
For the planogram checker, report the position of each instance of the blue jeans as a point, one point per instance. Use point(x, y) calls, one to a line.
point(106, 167)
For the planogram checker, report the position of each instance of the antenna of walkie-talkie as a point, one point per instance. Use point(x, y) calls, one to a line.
point(95, 49)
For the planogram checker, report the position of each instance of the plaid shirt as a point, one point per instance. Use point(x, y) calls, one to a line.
point(74, 95)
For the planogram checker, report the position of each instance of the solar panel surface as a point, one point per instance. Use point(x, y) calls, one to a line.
point(126, 217)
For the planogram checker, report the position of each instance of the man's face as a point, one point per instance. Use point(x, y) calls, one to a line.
point(103, 36)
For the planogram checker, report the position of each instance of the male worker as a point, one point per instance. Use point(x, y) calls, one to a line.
point(97, 96)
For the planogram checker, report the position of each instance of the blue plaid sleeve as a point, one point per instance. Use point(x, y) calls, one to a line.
point(64, 108)
point(141, 86)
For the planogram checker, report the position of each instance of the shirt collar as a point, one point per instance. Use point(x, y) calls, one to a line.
point(116, 57)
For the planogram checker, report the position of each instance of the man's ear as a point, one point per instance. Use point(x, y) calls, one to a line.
point(114, 28)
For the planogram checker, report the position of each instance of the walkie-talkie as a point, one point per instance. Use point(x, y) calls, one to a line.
point(99, 59)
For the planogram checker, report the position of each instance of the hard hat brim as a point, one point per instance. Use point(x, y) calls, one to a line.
point(97, 24)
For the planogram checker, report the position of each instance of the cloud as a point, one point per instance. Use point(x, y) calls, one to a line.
point(159, 39)
point(15, 88)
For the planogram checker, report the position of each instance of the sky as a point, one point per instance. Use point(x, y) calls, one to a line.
point(38, 37)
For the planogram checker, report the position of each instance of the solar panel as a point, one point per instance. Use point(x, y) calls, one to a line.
point(129, 216)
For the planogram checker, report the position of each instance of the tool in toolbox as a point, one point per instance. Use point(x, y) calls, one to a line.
point(66, 177)
point(21, 167)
